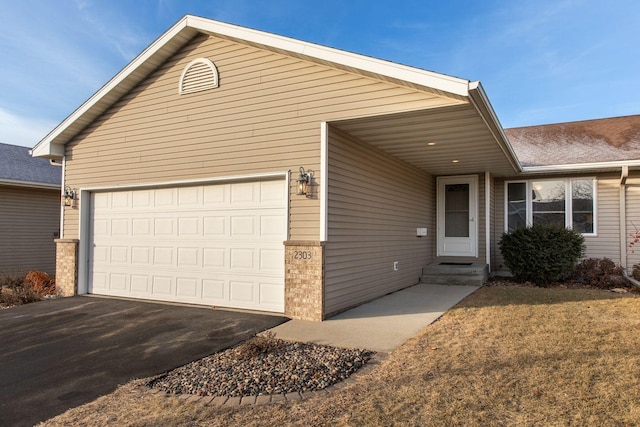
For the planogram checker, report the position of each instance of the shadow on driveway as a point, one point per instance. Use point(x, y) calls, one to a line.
point(56, 355)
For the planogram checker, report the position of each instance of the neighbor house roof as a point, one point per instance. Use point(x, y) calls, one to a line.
point(17, 167)
point(188, 27)
point(612, 141)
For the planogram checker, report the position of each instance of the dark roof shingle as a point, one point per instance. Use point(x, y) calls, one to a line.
point(588, 141)
point(16, 164)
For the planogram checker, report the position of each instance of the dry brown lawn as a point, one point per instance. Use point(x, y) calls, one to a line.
point(515, 356)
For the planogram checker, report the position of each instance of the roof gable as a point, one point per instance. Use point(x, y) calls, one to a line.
point(17, 167)
point(183, 31)
point(615, 139)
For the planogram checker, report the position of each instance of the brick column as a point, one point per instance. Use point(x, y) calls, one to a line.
point(67, 266)
point(304, 280)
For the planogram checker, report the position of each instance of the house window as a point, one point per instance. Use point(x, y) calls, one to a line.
point(537, 202)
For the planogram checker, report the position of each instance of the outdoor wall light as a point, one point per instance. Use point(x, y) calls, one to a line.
point(70, 196)
point(304, 180)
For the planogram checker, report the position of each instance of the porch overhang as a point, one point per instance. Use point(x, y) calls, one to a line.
point(454, 140)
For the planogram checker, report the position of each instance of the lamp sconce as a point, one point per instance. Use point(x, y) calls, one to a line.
point(70, 197)
point(304, 183)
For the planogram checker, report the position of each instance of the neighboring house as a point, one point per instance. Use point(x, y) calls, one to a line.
point(29, 211)
point(230, 167)
point(577, 174)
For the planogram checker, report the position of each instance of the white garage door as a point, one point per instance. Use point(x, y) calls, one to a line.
point(210, 244)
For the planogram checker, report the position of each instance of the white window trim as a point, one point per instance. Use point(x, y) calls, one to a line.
point(568, 219)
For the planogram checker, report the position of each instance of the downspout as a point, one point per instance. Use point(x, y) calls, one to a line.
point(64, 172)
point(624, 174)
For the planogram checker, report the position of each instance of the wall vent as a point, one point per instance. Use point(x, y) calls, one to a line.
point(199, 74)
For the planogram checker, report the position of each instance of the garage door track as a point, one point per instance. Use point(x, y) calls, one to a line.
point(55, 355)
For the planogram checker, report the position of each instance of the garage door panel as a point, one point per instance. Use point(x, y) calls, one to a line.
point(209, 244)
point(162, 285)
point(140, 255)
point(142, 199)
point(188, 257)
point(189, 196)
point(120, 200)
point(214, 290)
point(188, 287)
point(215, 226)
point(188, 226)
point(140, 284)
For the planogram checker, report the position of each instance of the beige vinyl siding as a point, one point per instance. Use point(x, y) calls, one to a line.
point(607, 242)
point(492, 221)
point(481, 230)
point(375, 204)
point(29, 220)
point(264, 118)
point(497, 261)
point(604, 244)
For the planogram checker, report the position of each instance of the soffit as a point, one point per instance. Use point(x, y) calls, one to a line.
point(457, 132)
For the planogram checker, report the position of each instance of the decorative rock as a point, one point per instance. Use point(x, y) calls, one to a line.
point(278, 368)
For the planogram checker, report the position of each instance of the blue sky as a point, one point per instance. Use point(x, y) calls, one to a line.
point(540, 61)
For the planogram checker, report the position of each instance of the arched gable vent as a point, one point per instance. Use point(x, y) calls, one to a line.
point(199, 74)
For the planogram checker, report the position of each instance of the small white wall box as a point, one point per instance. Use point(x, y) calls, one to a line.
point(420, 232)
point(395, 266)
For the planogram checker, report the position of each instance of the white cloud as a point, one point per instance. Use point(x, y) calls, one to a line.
point(25, 131)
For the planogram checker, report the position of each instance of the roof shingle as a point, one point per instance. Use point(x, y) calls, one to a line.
point(16, 164)
point(588, 141)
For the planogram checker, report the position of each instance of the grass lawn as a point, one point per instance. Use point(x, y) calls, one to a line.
point(503, 356)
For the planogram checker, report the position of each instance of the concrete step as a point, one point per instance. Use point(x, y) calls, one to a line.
point(474, 274)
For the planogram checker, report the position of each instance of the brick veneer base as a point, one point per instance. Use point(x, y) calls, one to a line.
point(67, 266)
point(304, 280)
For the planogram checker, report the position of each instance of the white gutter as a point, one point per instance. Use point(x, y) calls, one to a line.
point(581, 166)
point(29, 184)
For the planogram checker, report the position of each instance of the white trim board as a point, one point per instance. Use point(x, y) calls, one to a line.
point(324, 180)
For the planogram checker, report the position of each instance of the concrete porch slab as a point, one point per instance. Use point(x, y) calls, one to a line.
point(381, 325)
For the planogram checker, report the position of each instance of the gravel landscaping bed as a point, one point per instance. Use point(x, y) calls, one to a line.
point(264, 365)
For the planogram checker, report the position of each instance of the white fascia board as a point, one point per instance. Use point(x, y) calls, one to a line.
point(17, 183)
point(437, 81)
point(479, 99)
point(596, 166)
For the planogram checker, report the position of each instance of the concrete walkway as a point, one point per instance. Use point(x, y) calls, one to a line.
point(381, 325)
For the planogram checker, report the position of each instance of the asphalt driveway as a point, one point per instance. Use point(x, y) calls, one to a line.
point(59, 354)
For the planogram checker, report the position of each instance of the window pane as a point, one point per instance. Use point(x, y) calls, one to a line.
point(456, 210)
point(582, 205)
point(548, 203)
point(516, 205)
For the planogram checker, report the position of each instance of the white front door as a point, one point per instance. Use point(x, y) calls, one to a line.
point(458, 216)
